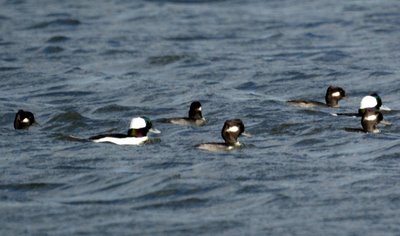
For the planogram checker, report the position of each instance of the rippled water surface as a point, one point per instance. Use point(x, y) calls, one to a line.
point(88, 67)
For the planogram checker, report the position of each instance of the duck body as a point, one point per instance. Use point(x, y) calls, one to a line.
point(369, 121)
point(218, 147)
point(136, 135)
point(230, 132)
point(119, 139)
point(332, 97)
point(195, 117)
point(185, 121)
point(307, 104)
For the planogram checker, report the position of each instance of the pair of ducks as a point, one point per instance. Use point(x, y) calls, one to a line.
point(369, 110)
point(141, 126)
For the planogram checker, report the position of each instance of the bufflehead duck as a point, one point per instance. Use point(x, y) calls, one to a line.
point(369, 121)
point(230, 132)
point(368, 102)
point(137, 133)
point(23, 119)
point(195, 117)
point(332, 98)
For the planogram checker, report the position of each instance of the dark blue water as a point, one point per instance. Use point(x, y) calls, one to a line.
point(87, 67)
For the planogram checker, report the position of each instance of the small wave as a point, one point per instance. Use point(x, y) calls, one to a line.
point(297, 75)
point(53, 49)
point(355, 8)
point(67, 122)
point(167, 165)
point(67, 94)
point(67, 117)
point(388, 157)
point(187, 1)
point(29, 186)
point(380, 73)
point(59, 15)
point(190, 38)
point(113, 108)
point(113, 52)
point(58, 22)
point(165, 59)
point(73, 167)
point(10, 68)
point(6, 43)
point(57, 39)
point(251, 189)
point(185, 203)
point(285, 129)
point(315, 36)
point(332, 56)
point(308, 142)
point(247, 86)
point(98, 202)
point(383, 18)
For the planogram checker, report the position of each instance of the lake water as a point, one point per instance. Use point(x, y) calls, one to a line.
point(88, 67)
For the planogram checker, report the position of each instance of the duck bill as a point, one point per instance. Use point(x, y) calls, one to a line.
point(33, 124)
point(247, 134)
point(385, 122)
point(385, 108)
point(154, 130)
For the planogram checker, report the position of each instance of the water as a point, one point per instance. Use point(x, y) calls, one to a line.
point(85, 67)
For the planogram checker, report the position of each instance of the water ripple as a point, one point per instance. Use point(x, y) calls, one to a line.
point(56, 23)
point(58, 39)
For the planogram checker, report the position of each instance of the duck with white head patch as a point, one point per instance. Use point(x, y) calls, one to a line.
point(372, 101)
point(332, 97)
point(195, 117)
point(136, 135)
point(24, 119)
point(369, 121)
point(230, 132)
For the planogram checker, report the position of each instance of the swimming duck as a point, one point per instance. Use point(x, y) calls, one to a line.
point(24, 119)
point(195, 116)
point(369, 121)
point(230, 132)
point(136, 135)
point(332, 97)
